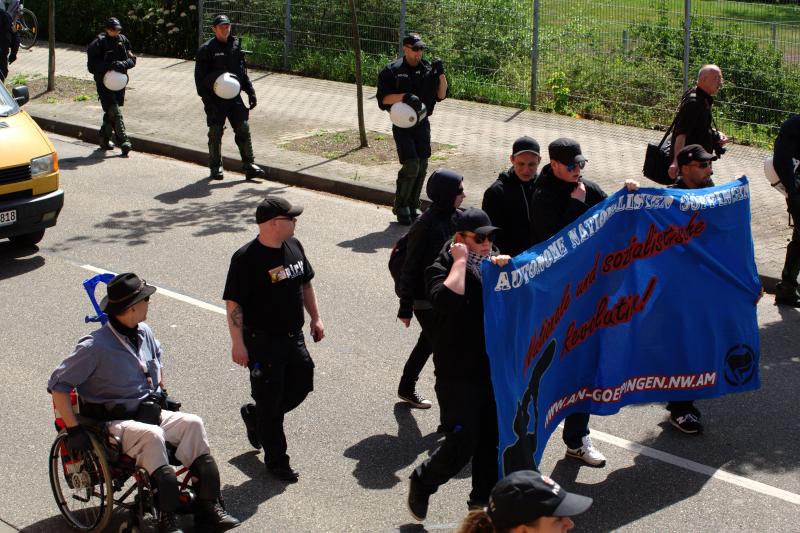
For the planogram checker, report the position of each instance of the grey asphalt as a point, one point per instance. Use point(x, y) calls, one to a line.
point(165, 114)
point(354, 444)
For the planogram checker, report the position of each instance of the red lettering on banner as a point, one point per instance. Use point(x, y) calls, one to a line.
point(547, 328)
point(588, 280)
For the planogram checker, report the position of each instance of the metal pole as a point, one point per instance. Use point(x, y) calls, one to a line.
point(535, 53)
point(200, 6)
point(402, 26)
point(51, 41)
point(687, 28)
point(362, 129)
point(287, 35)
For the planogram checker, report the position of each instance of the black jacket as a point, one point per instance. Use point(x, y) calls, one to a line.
point(400, 77)
point(554, 208)
point(508, 202)
point(109, 53)
point(459, 349)
point(787, 147)
point(694, 119)
point(9, 40)
point(215, 58)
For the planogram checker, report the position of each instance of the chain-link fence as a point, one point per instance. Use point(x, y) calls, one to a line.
point(625, 61)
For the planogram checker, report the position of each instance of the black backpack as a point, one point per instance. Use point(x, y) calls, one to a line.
point(397, 259)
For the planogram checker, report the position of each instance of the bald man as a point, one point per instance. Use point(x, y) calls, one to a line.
point(694, 123)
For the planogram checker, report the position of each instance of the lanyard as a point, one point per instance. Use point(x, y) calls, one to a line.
point(137, 356)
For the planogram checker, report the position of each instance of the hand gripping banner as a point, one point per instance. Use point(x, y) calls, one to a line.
point(648, 297)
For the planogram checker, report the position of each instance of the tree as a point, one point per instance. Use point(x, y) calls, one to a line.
point(359, 83)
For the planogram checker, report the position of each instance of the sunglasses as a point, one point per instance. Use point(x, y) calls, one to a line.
point(479, 239)
point(573, 166)
point(704, 164)
point(293, 219)
point(146, 298)
point(416, 48)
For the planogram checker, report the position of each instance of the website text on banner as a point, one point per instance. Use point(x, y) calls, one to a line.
point(649, 297)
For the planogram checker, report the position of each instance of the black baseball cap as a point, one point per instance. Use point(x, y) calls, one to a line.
point(475, 220)
point(275, 206)
point(566, 151)
point(694, 152)
point(522, 497)
point(113, 24)
point(412, 39)
point(220, 19)
point(525, 144)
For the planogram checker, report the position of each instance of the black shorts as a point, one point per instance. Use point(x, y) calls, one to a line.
point(413, 143)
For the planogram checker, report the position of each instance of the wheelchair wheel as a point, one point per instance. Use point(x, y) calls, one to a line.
point(82, 487)
point(27, 27)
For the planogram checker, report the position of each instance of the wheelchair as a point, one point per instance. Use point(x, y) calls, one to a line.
point(89, 486)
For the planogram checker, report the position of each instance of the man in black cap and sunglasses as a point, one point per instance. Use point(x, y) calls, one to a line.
point(116, 371)
point(268, 285)
point(420, 84)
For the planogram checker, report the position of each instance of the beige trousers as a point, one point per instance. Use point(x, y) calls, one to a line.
point(146, 442)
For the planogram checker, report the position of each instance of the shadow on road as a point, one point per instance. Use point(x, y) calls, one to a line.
point(377, 240)
point(72, 163)
point(18, 260)
point(242, 501)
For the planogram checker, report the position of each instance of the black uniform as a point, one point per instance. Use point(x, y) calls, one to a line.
point(9, 44)
point(508, 203)
point(787, 148)
point(463, 386)
point(268, 284)
point(107, 53)
point(694, 119)
point(413, 144)
point(215, 58)
point(553, 209)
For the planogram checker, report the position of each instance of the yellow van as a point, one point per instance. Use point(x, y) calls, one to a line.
point(30, 199)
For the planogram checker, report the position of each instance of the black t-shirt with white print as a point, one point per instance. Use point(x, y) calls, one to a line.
point(268, 284)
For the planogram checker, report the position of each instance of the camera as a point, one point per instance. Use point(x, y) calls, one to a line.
point(719, 150)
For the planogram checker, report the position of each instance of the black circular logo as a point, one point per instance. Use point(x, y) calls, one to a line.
point(740, 365)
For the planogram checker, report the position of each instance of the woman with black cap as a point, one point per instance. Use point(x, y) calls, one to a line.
point(526, 502)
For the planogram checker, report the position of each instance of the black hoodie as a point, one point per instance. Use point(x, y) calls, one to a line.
point(426, 237)
point(507, 201)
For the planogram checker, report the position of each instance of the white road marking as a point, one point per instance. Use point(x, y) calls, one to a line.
point(721, 475)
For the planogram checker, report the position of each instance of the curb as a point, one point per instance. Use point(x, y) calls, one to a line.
point(367, 193)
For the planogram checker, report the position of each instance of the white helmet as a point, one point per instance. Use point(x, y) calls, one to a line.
point(227, 86)
point(404, 116)
point(115, 81)
point(772, 177)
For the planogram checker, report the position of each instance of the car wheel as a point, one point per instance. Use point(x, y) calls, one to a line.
point(28, 239)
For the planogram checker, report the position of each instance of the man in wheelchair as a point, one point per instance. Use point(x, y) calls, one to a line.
point(116, 371)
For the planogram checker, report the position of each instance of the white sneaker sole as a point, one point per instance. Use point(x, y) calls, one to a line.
point(588, 461)
point(427, 404)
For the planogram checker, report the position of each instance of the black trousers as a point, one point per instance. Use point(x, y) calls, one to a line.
point(422, 350)
point(413, 143)
point(3, 63)
point(287, 377)
point(469, 411)
point(217, 110)
point(109, 98)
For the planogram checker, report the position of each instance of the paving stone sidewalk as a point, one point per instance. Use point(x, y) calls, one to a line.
point(161, 102)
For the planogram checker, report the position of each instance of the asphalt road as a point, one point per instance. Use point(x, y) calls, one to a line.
point(354, 444)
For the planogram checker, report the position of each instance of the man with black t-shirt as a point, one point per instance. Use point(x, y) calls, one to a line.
point(268, 285)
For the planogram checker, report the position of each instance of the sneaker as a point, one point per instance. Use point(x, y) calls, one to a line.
point(417, 500)
point(284, 473)
point(588, 453)
point(688, 423)
point(410, 396)
point(248, 412)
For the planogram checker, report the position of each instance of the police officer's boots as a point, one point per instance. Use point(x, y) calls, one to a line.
point(215, 151)
point(166, 485)
point(119, 129)
point(413, 205)
point(241, 134)
point(787, 291)
point(106, 133)
point(210, 514)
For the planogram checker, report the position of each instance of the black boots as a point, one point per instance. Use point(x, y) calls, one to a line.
point(210, 515)
point(166, 484)
point(787, 291)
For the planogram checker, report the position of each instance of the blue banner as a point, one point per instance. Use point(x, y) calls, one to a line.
point(648, 297)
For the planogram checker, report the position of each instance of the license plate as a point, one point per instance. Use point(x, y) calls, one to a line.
point(8, 217)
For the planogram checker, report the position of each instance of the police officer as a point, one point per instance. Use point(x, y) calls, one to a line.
point(787, 147)
point(420, 84)
point(111, 51)
point(9, 42)
point(220, 54)
point(268, 285)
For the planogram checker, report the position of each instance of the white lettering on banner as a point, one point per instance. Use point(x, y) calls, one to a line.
point(634, 384)
point(696, 202)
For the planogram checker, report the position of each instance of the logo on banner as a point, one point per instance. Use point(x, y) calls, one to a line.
point(740, 365)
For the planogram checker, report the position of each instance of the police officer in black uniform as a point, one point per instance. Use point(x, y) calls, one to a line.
point(223, 53)
point(111, 51)
point(787, 147)
point(9, 42)
point(416, 82)
point(268, 285)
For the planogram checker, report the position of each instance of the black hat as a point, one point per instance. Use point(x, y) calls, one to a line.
point(275, 206)
point(113, 24)
point(443, 186)
point(474, 220)
point(694, 152)
point(124, 290)
point(412, 39)
point(522, 497)
point(220, 19)
point(566, 151)
point(525, 144)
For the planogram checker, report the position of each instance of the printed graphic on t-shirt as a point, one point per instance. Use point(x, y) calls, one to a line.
point(281, 273)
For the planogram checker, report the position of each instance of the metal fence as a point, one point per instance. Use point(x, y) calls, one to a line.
point(625, 61)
